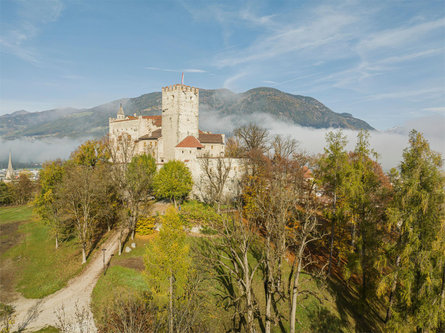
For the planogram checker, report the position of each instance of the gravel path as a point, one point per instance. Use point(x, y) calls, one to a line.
point(35, 314)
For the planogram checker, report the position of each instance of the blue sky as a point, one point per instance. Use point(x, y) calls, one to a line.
point(382, 61)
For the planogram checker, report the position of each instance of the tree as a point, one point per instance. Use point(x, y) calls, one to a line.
point(167, 265)
point(5, 194)
point(228, 257)
point(216, 172)
point(303, 230)
point(47, 202)
point(270, 200)
point(415, 283)
point(252, 138)
point(91, 153)
point(173, 181)
point(139, 180)
point(333, 166)
point(79, 194)
point(366, 197)
point(22, 188)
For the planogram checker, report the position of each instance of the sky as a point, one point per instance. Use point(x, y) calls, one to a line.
point(382, 61)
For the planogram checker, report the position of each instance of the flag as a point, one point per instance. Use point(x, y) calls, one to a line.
point(182, 78)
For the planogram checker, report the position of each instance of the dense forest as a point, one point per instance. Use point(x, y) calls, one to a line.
point(375, 240)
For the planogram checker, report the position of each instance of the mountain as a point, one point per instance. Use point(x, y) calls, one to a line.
point(93, 122)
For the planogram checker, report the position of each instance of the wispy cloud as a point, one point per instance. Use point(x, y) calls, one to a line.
point(229, 82)
point(396, 37)
point(325, 30)
point(439, 109)
point(187, 70)
point(31, 16)
point(415, 93)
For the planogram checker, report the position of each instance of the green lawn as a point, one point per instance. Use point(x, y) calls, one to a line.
point(118, 281)
point(15, 214)
point(39, 269)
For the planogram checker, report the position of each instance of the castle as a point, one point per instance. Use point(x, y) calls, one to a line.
point(175, 135)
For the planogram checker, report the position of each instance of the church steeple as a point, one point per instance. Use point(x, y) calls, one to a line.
point(120, 113)
point(10, 171)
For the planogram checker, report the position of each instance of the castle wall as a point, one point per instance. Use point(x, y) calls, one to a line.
point(213, 149)
point(200, 180)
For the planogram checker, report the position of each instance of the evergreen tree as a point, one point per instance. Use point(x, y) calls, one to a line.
point(416, 283)
point(333, 170)
point(366, 195)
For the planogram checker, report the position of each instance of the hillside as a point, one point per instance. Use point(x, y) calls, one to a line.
point(93, 122)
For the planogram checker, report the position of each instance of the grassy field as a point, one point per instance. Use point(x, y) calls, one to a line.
point(15, 214)
point(36, 269)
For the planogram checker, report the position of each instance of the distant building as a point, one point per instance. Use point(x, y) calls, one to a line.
point(175, 135)
point(10, 171)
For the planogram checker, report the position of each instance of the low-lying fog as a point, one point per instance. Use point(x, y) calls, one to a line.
point(388, 144)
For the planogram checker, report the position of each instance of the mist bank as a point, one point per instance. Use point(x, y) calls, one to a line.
point(26, 151)
point(388, 144)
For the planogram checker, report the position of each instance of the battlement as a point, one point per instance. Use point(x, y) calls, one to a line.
point(180, 87)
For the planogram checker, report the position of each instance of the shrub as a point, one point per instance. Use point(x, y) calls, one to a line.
point(146, 225)
point(196, 213)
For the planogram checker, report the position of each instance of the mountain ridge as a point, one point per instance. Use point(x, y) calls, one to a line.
point(93, 122)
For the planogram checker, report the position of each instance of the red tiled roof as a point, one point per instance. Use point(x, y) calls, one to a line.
point(210, 138)
point(190, 142)
point(153, 136)
point(307, 173)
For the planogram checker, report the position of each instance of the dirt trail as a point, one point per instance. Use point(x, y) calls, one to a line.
point(35, 314)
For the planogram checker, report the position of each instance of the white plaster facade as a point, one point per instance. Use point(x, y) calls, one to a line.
point(175, 135)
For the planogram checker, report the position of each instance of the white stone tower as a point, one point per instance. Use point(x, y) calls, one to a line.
point(120, 113)
point(180, 116)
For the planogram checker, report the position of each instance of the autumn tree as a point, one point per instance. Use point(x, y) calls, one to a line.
point(22, 188)
point(91, 153)
point(269, 202)
point(251, 138)
point(303, 230)
point(139, 179)
point(216, 171)
point(6, 196)
point(415, 284)
point(173, 181)
point(79, 195)
point(167, 266)
point(228, 258)
point(48, 203)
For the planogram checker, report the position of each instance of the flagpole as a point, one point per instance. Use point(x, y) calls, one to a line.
point(182, 78)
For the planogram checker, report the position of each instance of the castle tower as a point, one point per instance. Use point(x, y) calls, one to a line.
point(10, 170)
point(120, 113)
point(180, 116)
